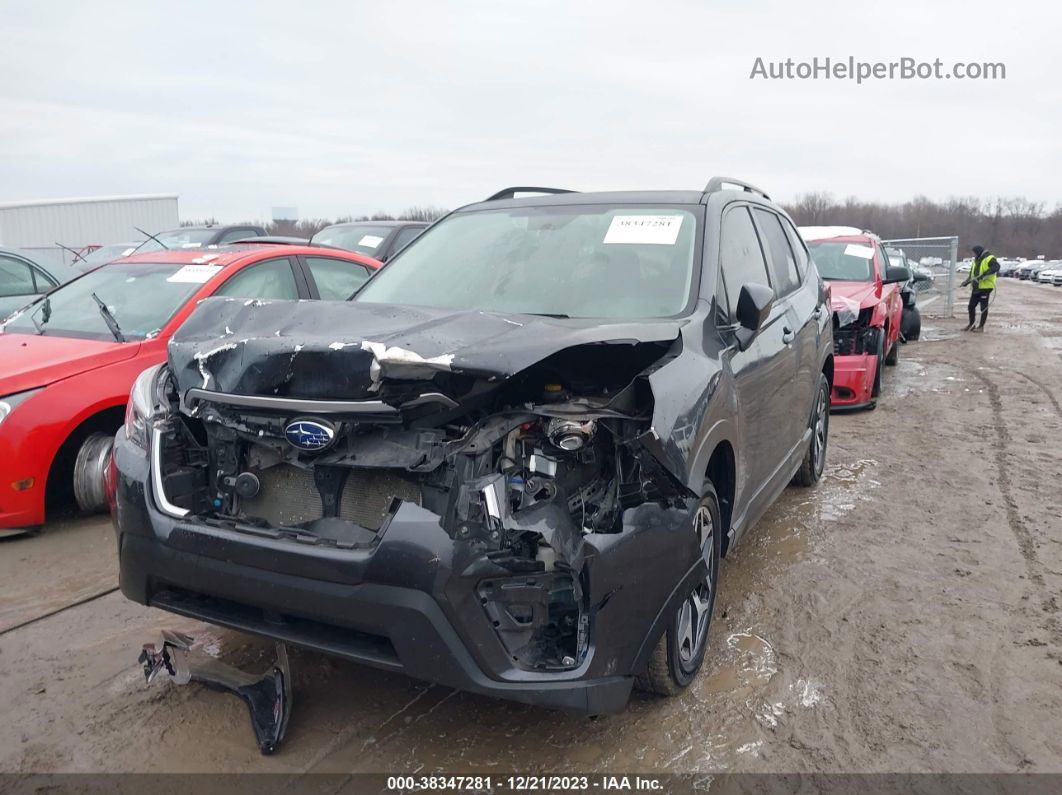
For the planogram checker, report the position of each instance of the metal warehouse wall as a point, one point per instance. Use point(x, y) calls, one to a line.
point(37, 226)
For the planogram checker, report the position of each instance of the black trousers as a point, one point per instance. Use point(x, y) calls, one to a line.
point(979, 297)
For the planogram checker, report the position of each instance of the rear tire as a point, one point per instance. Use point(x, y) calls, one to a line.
point(911, 324)
point(90, 468)
point(679, 654)
point(815, 458)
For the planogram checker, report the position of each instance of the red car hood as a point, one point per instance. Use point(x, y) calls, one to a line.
point(864, 294)
point(28, 361)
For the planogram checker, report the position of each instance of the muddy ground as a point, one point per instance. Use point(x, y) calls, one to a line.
point(904, 616)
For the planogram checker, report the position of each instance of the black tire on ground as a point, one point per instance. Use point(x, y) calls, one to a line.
point(89, 470)
point(815, 458)
point(911, 324)
point(894, 354)
point(678, 655)
point(879, 350)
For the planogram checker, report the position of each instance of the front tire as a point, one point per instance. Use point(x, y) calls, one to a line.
point(90, 468)
point(679, 654)
point(894, 354)
point(814, 462)
point(879, 350)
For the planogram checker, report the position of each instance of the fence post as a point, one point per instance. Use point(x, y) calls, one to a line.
point(949, 307)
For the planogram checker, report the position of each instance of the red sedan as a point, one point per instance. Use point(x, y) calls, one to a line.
point(867, 308)
point(68, 361)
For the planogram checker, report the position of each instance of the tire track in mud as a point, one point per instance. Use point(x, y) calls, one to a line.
point(1001, 445)
point(1025, 539)
point(58, 610)
point(1043, 388)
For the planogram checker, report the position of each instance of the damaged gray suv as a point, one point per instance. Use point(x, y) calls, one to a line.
point(510, 464)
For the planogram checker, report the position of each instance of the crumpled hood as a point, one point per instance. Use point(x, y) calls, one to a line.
point(346, 350)
point(28, 361)
point(864, 294)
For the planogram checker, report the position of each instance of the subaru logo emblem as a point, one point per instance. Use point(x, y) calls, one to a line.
point(309, 434)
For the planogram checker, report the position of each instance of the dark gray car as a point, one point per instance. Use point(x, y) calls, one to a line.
point(380, 240)
point(511, 463)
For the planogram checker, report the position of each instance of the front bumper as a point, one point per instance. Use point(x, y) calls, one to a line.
point(853, 381)
point(413, 602)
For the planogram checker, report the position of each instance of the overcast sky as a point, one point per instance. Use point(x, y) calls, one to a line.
point(350, 107)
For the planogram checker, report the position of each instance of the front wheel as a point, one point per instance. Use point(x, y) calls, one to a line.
point(90, 469)
point(678, 655)
point(879, 351)
point(894, 353)
point(815, 458)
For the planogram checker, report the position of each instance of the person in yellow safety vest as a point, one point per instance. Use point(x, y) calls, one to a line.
point(983, 272)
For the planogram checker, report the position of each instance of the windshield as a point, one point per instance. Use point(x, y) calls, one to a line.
point(840, 261)
point(105, 254)
point(140, 297)
point(573, 261)
point(360, 238)
point(178, 238)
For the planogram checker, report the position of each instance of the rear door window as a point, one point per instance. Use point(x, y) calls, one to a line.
point(741, 261)
point(16, 278)
point(783, 263)
point(270, 279)
point(336, 279)
point(800, 251)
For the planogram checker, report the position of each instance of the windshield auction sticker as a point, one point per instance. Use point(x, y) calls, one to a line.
point(194, 274)
point(856, 250)
point(370, 241)
point(661, 230)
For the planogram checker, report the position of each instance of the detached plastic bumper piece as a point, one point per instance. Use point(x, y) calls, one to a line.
point(268, 696)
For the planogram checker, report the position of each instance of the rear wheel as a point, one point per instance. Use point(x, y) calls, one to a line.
point(911, 324)
point(89, 471)
point(678, 655)
point(815, 458)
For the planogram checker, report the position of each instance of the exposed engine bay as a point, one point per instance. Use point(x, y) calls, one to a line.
point(520, 469)
point(856, 336)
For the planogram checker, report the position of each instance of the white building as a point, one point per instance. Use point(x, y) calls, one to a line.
point(41, 226)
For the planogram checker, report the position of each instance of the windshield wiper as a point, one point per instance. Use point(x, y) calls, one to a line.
point(557, 315)
point(108, 318)
point(46, 315)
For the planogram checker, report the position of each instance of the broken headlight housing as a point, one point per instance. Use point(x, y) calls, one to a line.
point(146, 399)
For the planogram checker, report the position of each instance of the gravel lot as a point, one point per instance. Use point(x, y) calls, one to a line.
point(905, 616)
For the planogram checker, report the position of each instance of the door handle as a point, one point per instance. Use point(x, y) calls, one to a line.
point(787, 335)
point(817, 314)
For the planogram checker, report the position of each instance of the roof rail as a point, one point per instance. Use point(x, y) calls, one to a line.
point(510, 193)
point(717, 183)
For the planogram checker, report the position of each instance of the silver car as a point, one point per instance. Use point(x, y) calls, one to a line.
point(23, 277)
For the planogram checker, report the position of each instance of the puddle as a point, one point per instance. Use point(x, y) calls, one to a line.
point(842, 488)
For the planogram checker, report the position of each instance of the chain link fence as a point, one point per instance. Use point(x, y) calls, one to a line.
point(936, 257)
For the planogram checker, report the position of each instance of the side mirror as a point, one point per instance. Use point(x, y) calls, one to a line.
point(918, 276)
point(895, 274)
point(753, 309)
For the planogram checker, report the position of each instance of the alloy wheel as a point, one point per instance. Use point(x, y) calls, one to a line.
point(696, 611)
point(819, 431)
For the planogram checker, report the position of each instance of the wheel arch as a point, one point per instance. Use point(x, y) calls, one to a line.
point(722, 472)
point(59, 485)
